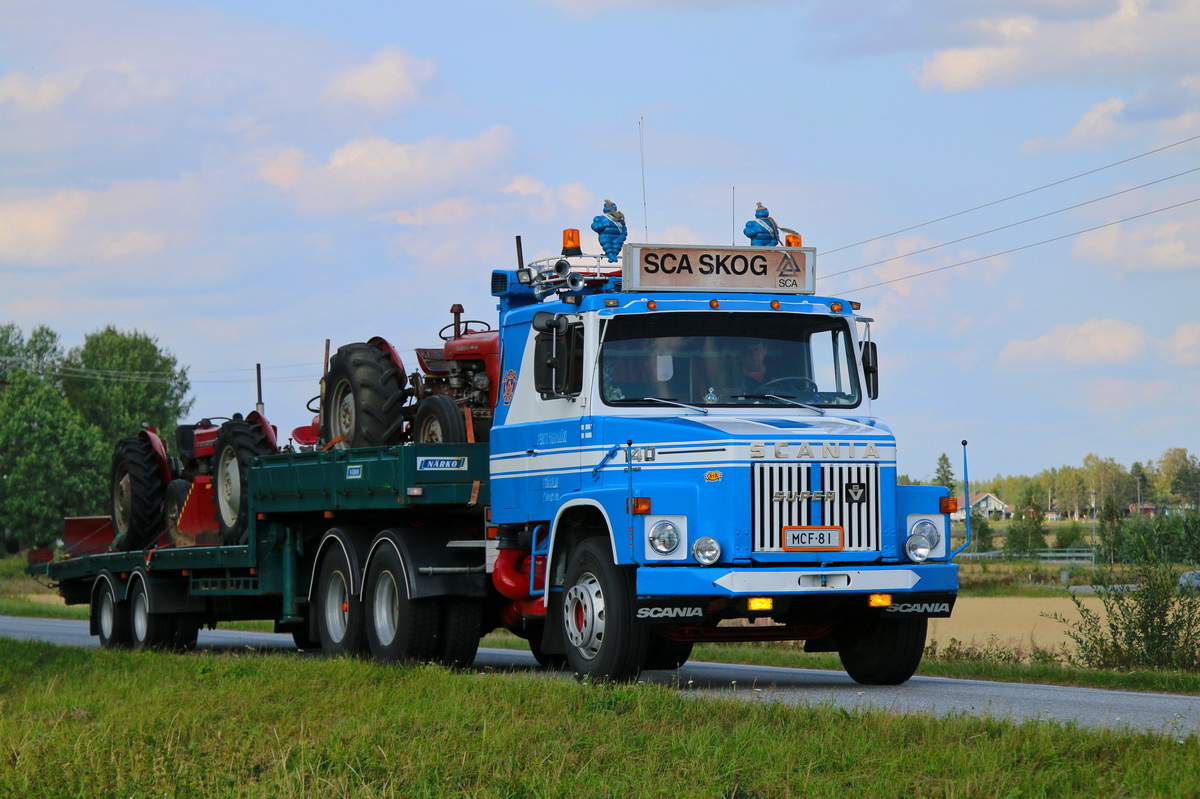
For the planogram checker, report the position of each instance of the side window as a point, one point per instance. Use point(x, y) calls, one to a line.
point(558, 363)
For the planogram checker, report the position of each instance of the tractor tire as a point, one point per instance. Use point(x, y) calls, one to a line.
point(605, 642)
point(667, 654)
point(399, 629)
point(177, 494)
point(136, 488)
point(237, 442)
point(878, 651)
point(440, 421)
point(363, 399)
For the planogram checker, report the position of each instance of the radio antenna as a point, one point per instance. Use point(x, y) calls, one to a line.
point(642, 152)
point(733, 217)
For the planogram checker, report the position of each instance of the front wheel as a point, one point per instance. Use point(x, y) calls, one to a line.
point(440, 421)
point(237, 442)
point(882, 651)
point(604, 640)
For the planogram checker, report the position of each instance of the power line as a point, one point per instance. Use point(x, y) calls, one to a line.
point(1024, 247)
point(1015, 196)
point(1013, 224)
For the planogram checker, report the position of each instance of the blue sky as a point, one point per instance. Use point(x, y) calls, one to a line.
point(244, 180)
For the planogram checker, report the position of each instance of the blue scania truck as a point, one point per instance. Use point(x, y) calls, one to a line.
point(633, 459)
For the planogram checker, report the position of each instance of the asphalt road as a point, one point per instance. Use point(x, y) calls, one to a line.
point(1169, 714)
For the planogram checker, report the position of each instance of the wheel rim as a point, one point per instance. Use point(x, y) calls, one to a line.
point(141, 618)
point(584, 615)
point(122, 502)
point(229, 487)
point(386, 608)
point(107, 617)
point(344, 414)
point(337, 607)
point(431, 431)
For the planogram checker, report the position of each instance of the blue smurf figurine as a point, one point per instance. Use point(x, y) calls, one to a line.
point(611, 230)
point(762, 230)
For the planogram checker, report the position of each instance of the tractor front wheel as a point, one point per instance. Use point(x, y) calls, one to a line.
point(440, 421)
point(237, 442)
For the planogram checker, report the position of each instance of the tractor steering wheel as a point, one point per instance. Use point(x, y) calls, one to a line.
point(447, 332)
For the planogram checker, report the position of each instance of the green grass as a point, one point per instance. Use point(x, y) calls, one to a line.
point(107, 723)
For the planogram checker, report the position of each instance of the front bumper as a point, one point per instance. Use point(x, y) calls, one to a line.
point(731, 582)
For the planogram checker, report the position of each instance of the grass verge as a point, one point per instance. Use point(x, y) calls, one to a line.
point(105, 723)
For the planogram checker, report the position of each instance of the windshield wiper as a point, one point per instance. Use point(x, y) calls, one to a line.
point(788, 400)
point(663, 400)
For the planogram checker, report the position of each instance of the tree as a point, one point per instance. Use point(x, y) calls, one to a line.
point(1178, 476)
point(52, 463)
point(39, 355)
point(1027, 531)
point(945, 474)
point(981, 531)
point(117, 381)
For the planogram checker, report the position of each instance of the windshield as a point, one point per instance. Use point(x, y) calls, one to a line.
point(728, 359)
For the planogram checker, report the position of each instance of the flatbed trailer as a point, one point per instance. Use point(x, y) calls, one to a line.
point(424, 501)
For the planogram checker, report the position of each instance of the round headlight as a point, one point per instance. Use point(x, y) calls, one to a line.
point(926, 528)
point(918, 547)
point(706, 551)
point(664, 537)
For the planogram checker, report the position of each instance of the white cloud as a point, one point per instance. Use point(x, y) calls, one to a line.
point(391, 79)
point(1144, 246)
point(1134, 38)
point(551, 201)
point(1112, 396)
point(285, 169)
point(1182, 348)
point(445, 212)
point(38, 94)
point(1096, 341)
point(366, 173)
point(1100, 126)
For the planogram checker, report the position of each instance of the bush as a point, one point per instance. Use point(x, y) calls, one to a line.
point(981, 533)
point(1070, 536)
point(1151, 624)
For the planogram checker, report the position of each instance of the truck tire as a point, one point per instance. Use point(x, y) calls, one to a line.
point(147, 630)
point(111, 618)
point(339, 612)
point(459, 632)
point(399, 629)
point(440, 421)
point(667, 654)
point(604, 640)
point(176, 497)
point(136, 488)
point(882, 652)
point(363, 398)
point(237, 442)
point(185, 632)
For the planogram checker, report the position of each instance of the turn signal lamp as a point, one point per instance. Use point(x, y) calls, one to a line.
point(714, 304)
point(571, 242)
point(652, 305)
point(948, 504)
point(639, 505)
point(775, 305)
point(855, 305)
point(880, 600)
point(760, 603)
point(792, 240)
point(836, 307)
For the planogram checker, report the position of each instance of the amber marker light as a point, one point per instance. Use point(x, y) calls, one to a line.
point(775, 305)
point(760, 603)
point(836, 307)
point(880, 600)
point(639, 506)
point(855, 305)
point(652, 305)
point(714, 304)
point(571, 242)
point(948, 504)
point(792, 240)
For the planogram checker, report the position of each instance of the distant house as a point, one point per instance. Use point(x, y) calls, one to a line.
point(988, 504)
point(1144, 509)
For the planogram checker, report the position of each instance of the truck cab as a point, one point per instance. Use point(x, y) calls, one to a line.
point(700, 425)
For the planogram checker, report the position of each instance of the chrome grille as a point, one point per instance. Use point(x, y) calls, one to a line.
point(855, 506)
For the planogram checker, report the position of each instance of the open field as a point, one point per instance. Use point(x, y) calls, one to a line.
point(1015, 622)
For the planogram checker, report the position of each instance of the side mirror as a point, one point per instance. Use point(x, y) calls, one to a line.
point(870, 362)
point(547, 322)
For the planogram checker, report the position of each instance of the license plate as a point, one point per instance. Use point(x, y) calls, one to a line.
point(812, 539)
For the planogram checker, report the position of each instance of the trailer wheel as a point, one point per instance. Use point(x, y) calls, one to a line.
point(185, 632)
point(459, 633)
point(440, 421)
point(604, 640)
point(363, 398)
point(137, 494)
point(339, 613)
point(177, 494)
point(147, 630)
point(111, 618)
point(882, 652)
point(667, 654)
point(237, 442)
point(398, 628)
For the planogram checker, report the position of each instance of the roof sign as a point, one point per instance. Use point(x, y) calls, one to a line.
point(681, 267)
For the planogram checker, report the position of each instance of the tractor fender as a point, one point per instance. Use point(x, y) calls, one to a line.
point(431, 566)
point(384, 345)
point(268, 429)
